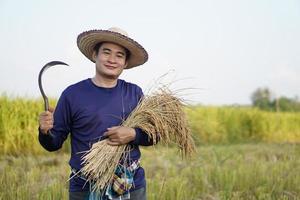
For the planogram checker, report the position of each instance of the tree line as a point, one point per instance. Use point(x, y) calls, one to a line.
point(265, 99)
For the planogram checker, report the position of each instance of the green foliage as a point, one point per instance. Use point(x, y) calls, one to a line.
point(216, 125)
point(19, 125)
point(244, 171)
point(286, 104)
point(240, 124)
point(262, 98)
point(248, 171)
point(33, 177)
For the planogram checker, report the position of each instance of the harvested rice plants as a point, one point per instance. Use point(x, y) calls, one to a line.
point(242, 153)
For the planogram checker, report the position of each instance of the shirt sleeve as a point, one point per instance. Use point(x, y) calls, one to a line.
point(59, 133)
point(142, 138)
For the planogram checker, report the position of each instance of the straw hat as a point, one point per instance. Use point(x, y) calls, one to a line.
point(86, 42)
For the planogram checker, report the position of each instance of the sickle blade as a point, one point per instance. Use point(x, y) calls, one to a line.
point(48, 65)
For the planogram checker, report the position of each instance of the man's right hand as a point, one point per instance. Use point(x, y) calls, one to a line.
point(46, 121)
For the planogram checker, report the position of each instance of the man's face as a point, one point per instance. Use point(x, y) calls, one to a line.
point(110, 60)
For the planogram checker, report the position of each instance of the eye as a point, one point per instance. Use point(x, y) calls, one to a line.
point(105, 52)
point(120, 55)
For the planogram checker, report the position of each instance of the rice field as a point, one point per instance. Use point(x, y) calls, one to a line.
point(209, 125)
point(242, 171)
point(242, 153)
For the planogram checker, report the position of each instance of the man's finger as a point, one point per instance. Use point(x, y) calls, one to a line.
point(51, 109)
point(106, 134)
point(113, 128)
point(46, 120)
point(111, 131)
point(46, 114)
point(109, 142)
point(111, 135)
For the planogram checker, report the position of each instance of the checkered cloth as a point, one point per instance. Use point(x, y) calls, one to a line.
point(122, 182)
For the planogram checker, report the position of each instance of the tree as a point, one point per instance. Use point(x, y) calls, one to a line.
point(288, 104)
point(262, 99)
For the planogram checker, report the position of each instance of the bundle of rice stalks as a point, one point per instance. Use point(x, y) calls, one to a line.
point(161, 116)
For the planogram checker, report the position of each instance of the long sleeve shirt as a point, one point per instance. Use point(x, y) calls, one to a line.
point(85, 111)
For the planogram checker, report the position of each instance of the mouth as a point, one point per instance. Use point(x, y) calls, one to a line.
point(110, 67)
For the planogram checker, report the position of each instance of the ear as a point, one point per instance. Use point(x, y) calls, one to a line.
point(94, 56)
point(126, 63)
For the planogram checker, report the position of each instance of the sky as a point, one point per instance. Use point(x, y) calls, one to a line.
point(214, 52)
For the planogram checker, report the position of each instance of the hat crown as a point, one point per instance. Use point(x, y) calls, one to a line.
point(118, 30)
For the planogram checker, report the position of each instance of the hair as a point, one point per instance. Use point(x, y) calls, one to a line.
point(98, 45)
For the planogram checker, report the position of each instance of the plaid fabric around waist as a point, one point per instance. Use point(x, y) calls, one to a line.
point(120, 185)
point(122, 181)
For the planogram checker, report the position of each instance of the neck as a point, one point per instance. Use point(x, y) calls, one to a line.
point(104, 82)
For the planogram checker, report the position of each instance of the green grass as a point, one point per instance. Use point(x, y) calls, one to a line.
point(229, 165)
point(34, 177)
point(242, 171)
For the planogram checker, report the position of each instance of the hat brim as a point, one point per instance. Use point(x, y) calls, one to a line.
point(86, 42)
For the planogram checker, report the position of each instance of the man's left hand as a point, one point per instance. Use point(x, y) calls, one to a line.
point(119, 135)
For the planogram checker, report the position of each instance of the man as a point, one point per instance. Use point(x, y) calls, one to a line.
point(93, 109)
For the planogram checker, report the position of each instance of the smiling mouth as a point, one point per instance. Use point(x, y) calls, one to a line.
point(110, 67)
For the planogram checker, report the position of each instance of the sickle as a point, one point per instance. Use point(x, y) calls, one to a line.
point(48, 65)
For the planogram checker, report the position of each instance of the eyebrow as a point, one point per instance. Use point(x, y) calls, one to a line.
point(107, 49)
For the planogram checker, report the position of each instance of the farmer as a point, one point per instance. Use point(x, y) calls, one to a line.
point(93, 109)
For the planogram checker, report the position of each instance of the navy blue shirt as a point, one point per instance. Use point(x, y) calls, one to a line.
point(86, 111)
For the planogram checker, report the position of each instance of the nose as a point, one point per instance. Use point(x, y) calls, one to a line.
point(111, 59)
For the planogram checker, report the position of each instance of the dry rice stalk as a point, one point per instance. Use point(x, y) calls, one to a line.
point(100, 163)
point(161, 116)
